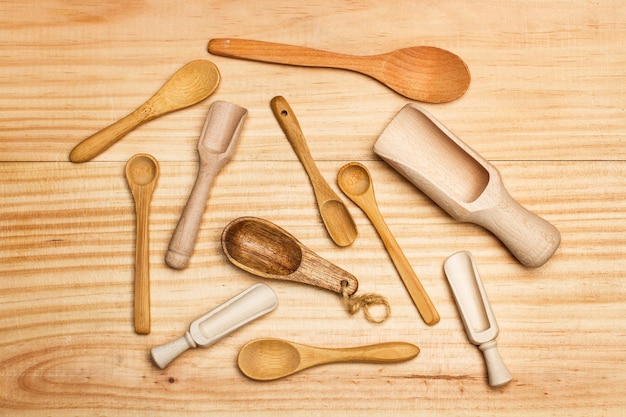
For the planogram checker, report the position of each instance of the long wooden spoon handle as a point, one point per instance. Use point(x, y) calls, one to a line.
point(142, 267)
point(380, 352)
point(279, 53)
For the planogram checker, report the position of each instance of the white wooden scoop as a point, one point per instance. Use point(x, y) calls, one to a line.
point(463, 183)
point(216, 146)
point(204, 331)
point(476, 314)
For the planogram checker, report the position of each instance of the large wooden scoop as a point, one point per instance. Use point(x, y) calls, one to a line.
point(463, 183)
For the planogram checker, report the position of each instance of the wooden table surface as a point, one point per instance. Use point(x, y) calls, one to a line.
point(546, 106)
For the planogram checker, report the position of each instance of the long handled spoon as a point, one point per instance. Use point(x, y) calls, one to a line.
point(422, 73)
point(463, 183)
point(269, 359)
point(216, 146)
point(188, 86)
point(335, 215)
point(355, 181)
point(142, 172)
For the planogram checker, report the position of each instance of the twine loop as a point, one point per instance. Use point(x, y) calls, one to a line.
point(355, 303)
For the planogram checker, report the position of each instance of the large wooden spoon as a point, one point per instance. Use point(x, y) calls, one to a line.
point(269, 359)
point(355, 181)
point(142, 172)
point(422, 73)
point(335, 215)
point(188, 86)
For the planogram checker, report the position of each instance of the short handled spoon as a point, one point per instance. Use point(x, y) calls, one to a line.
point(355, 181)
point(142, 172)
point(188, 86)
point(422, 73)
point(269, 359)
point(335, 215)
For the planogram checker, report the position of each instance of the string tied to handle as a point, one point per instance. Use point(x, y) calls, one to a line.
point(363, 302)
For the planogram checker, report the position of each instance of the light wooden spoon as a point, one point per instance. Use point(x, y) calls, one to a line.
point(355, 181)
point(142, 172)
point(335, 215)
point(269, 359)
point(188, 86)
point(422, 73)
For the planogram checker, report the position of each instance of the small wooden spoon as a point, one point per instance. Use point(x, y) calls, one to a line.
point(189, 85)
point(142, 172)
point(355, 181)
point(335, 215)
point(269, 359)
point(422, 73)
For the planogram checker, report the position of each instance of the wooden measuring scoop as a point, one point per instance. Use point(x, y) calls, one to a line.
point(463, 183)
point(335, 215)
point(216, 146)
point(356, 182)
point(189, 85)
point(142, 172)
point(270, 359)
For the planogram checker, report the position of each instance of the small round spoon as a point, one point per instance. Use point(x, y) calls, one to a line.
point(335, 215)
point(355, 181)
point(422, 73)
point(188, 86)
point(142, 172)
point(269, 359)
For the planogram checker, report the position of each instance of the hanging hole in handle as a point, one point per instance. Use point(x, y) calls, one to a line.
point(284, 113)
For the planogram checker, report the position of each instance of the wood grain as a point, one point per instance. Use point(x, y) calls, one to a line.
point(546, 107)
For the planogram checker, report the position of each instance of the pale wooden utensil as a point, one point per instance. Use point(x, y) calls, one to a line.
point(356, 182)
point(476, 313)
point(335, 215)
point(208, 329)
point(422, 73)
point(216, 146)
point(142, 172)
point(269, 359)
point(463, 183)
point(189, 85)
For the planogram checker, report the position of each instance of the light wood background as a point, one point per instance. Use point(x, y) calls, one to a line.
point(546, 106)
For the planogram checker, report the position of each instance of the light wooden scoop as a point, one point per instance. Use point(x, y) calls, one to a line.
point(463, 183)
point(356, 182)
point(476, 313)
point(216, 146)
point(189, 85)
point(269, 359)
point(422, 73)
point(142, 172)
point(335, 215)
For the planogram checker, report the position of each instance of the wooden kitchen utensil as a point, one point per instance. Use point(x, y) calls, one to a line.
point(356, 182)
point(188, 86)
point(264, 249)
point(422, 73)
point(216, 146)
point(335, 215)
point(208, 329)
point(463, 183)
point(142, 172)
point(476, 313)
point(269, 359)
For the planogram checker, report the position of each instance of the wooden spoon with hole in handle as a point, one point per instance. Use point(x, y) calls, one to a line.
point(142, 172)
point(269, 359)
point(335, 215)
point(188, 86)
point(422, 73)
point(355, 181)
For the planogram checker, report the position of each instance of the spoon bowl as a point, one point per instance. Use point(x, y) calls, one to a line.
point(142, 172)
point(269, 359)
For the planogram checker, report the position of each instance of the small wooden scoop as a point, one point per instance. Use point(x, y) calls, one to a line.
point(216, 146)
point(189, 85)
point(463, 183)
point(335, 215)
point(269, 359)
point(476, 314)
point(355, 181)
point(422, 73)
